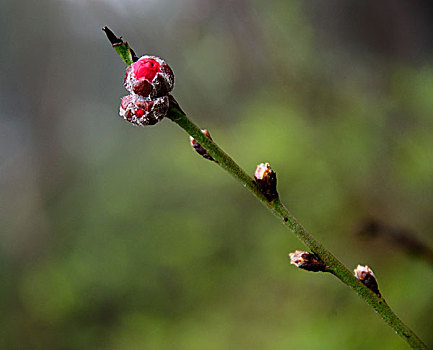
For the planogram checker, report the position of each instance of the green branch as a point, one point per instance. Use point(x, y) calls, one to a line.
point(333, 265)
point(121, 47)
point(280, 211)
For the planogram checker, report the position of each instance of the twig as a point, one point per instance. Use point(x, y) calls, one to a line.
point(122, 47)
point(279, 210)
point(333, 265)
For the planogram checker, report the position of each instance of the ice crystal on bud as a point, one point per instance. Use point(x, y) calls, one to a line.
point(198, 148)
point(367, 277)
point(149, 77)
point(141, 112)
point(307, 261)
point(266, 179)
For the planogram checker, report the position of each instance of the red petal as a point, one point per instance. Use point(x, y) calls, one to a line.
point(146, 68)
point(139, 113)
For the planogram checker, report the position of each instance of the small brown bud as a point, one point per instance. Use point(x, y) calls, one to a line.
point(266, 179)
point(307, 261)
point(367, 277)
point(198, 148)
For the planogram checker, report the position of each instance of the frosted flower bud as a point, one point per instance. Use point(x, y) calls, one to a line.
point(307, 261)
point(198, 148)
point(141, 112)
point(149, 77)
point(266, 179)
point(367, 277)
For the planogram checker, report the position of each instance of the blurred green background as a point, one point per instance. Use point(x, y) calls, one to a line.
point(118, 237)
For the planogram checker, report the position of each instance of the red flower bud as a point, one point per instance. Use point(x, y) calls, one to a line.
point(140, 111)
point(149, 77)
point(146, 68)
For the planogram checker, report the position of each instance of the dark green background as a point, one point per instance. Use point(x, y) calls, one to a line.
point(118, 237)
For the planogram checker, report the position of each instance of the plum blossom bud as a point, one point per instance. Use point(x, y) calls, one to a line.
point(141, 112)
point(266, 179)
point(307, 261)
point(367, 277)
point(198, 148)
point(149, 77)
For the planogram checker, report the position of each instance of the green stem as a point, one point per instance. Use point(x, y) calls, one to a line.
point(287, 218)
point(121, 47)
point(334, 265)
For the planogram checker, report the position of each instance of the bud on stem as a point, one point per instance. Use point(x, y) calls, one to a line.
point(367, 277)
point(149, 81)
point(198, 148)
point(307, 261)
point(149, 77)
point(266, 180)
point(141, 112)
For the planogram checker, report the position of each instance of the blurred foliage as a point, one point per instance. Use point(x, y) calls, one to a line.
point(114, 237)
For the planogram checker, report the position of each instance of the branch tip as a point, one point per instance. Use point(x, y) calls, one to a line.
point(121, 47)
point(114, 40)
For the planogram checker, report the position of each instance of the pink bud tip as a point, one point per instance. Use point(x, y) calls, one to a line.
point(262, 170)
point(146, 68)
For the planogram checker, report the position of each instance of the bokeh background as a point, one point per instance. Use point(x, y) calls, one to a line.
point(118, 237)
